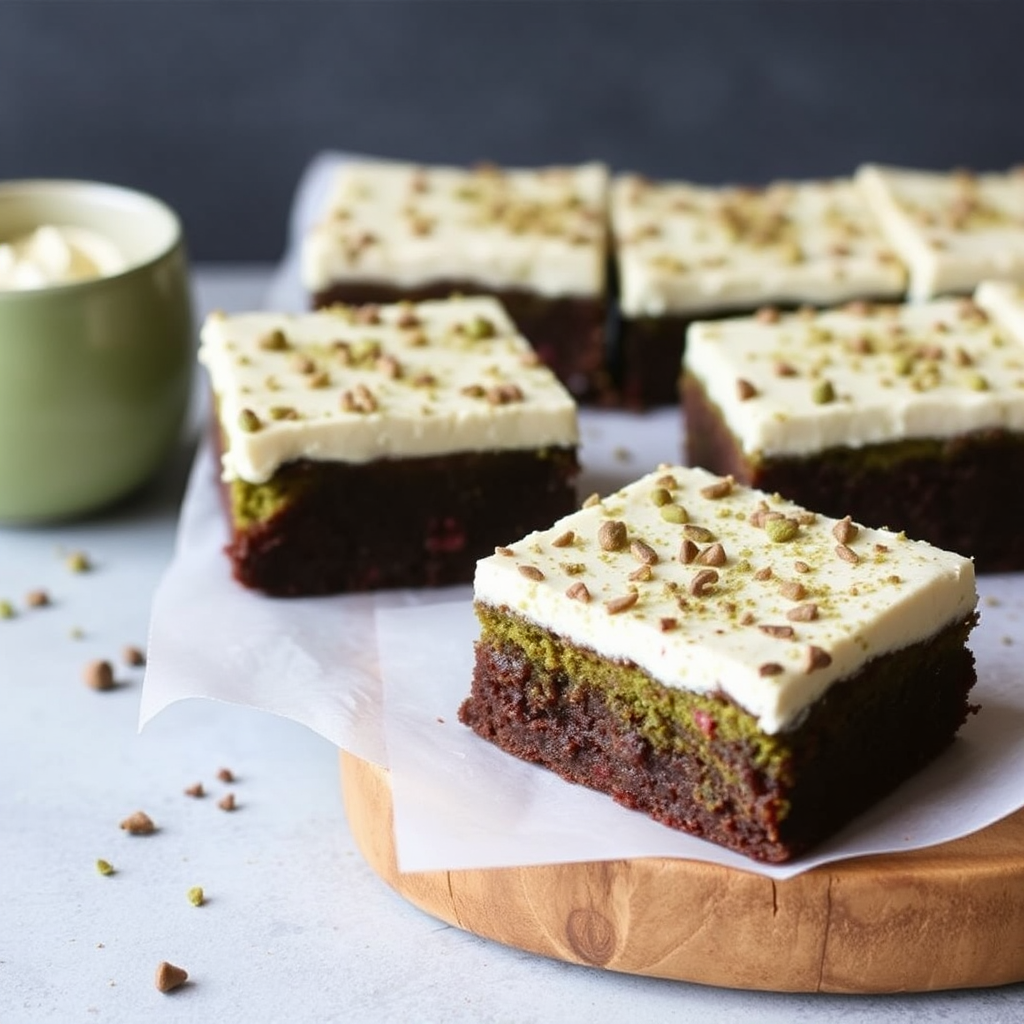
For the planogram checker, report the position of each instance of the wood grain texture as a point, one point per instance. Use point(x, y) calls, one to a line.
point(951, 916)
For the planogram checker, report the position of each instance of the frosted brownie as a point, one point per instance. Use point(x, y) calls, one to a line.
point(953, 230)
point(537, 239)
point(367, 447)
point(723, 660)
point(687, 252)
point(910, 416)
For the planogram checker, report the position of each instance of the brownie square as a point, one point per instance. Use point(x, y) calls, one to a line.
point(722, 659)
point(686, 252)
point(369, 447)
point(909, 416)
point(534, 238)
point(954, 229)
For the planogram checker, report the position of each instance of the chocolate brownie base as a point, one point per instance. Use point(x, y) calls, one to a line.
point(961, 493)
point(567, 332)
point(650, 356)
point(698, 762)
point(326, 527)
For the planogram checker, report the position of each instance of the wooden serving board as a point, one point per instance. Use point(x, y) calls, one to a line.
point(951, 916)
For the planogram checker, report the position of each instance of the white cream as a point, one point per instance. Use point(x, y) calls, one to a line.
point(55, 255)
point(405, 225)
point(434, 383)
point(919, 370)
point(899, 592)
point(953, 230)
point(685, 248)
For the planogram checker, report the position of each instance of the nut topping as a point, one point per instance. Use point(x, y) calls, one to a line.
point(700, 583)
point(612, 535)
point(817, 658)
point(803, 612)
point(779, 632)
point(781, 530)
point(688, 552)
point(845, 530)
point(359, 399)
point(643, 552)
point(698, 533)
point(621, 604)
point(847, 554)
point(720, 489)
point(745, 390)
point(714, 554)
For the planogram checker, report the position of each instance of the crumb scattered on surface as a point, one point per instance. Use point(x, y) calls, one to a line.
point(138, 823)
point(76, 633)
point(1007, 641)
point(104, 867)
point(993, 602)
point(227, 803)
point(6, 610)
point(196, 896)
point(37, 599)
point(226, 775)
point(99, 675)
point(134, 656)
point(622, 454)
point(195, 790)
point(78, 561)
point(170, 977)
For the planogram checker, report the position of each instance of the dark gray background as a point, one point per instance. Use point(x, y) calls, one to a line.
point(217, 107)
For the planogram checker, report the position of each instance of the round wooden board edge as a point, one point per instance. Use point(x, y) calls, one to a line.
point(949, 916)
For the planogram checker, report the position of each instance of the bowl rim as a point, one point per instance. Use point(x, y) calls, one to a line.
point(122, 194)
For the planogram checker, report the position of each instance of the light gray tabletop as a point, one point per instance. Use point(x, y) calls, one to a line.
point(295, 927)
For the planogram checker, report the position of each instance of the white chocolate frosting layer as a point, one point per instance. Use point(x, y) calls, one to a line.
point(1003, 301)
point(57, 254)
point(406, 225)
point(685, 248)
point(953, 230)
point(794, 384)
point(354, 384)
point(771, 623)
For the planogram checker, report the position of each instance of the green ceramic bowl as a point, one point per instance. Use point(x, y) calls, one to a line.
point(94, 375)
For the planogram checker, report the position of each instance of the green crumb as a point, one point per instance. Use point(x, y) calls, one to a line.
point(903, 364)
point(674, 514)
point(76, 633)
point(78, 561)
point(196, 896)
point(480, 328)
point(104, 867)
point(256, 503)
point(780, 530)
point(249, 421)
point(6, 610)
point(823, 393)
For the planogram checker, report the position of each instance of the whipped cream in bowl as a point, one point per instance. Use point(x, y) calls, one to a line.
point(96, 345)
point(56, 254)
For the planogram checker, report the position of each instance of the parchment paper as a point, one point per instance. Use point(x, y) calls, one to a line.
point(383, 675)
